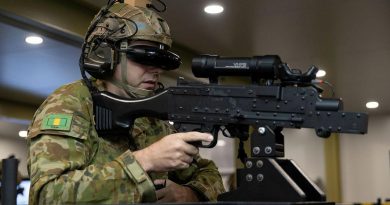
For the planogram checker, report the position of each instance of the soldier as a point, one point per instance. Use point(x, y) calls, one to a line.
point(125, 50)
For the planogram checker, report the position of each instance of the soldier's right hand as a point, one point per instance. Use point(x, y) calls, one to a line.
point(171, 152)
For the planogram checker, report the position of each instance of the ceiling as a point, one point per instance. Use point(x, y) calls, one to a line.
point(23, 70)
point(350, 39)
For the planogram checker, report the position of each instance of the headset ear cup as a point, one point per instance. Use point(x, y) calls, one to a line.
point(98, 61)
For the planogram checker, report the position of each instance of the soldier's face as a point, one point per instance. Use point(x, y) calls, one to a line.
point(139, 75)
point(142, 76)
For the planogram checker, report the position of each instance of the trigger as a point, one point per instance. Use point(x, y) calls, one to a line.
point(214, 142)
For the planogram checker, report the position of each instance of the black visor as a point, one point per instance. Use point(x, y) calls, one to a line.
point(153, 56)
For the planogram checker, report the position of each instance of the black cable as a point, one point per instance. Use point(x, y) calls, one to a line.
point(331, 87)
point(333, 93)
point(98, 20)
point(160, 88)
point(241, 152)
point(104, 37)
point(101, 13)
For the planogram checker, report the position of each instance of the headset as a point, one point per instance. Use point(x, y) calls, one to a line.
point(100, 56)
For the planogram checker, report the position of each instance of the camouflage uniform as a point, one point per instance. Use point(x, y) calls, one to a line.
point(76, 165)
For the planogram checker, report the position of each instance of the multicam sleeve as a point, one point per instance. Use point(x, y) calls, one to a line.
point(61, 159)
point(204, 178)
point(60, 175)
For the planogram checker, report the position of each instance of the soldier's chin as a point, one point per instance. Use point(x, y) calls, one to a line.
point(148, 86)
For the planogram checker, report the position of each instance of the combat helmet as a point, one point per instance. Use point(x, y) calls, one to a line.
point(107, 40)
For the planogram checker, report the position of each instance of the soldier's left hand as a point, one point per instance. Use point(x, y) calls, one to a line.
point(173, 192)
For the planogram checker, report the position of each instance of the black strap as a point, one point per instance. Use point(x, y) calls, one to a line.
point(241, 152)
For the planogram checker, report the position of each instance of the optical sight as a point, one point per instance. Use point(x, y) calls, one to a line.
point(267, 67)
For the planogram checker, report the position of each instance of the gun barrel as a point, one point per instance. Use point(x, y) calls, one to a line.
point(264, 67)
point(329, 105)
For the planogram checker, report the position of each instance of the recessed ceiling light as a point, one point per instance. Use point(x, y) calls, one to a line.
point(34, 40)
point(321, 73)
point(23, 133)
point(372, 105)
point(213, 9)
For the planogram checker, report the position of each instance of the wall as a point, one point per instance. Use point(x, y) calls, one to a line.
point(365, 160)
point(307, 150)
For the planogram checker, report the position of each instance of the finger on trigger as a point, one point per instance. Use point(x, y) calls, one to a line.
point(198, 136)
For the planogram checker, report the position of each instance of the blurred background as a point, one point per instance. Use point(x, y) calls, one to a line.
point(349, 40)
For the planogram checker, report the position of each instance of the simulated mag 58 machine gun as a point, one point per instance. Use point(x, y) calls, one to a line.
point(279, 97)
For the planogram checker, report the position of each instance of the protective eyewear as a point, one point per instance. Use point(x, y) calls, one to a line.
point(153, 56)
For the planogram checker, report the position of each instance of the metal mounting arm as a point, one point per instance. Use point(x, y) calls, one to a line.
point(269, 178)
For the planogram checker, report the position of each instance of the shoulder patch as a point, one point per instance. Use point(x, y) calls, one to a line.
point(57, 122)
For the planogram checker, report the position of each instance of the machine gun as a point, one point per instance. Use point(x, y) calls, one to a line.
point(279, 97)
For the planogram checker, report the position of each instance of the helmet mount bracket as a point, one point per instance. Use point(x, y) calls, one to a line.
point(139, 3)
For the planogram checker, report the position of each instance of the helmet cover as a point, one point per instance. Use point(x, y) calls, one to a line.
point(123, 21)
point(118, 23)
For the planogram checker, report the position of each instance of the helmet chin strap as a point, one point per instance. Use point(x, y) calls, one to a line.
point(123, 84)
